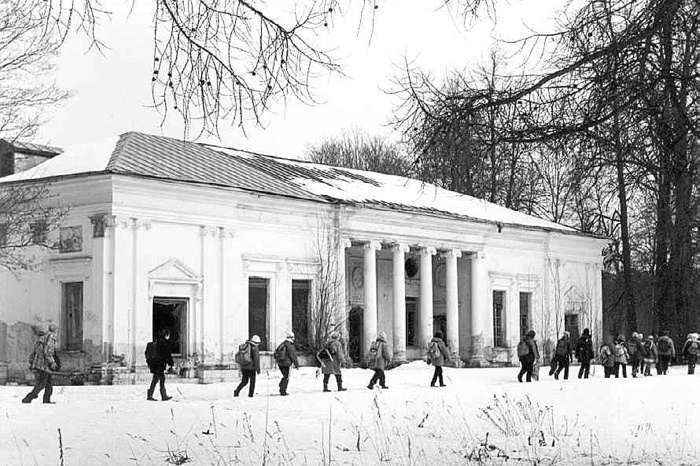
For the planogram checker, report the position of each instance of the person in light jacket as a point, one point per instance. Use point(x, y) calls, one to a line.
point(43, 361)
point(331, 358)
point(438, 359)
point(250, 370)
point(380, 362)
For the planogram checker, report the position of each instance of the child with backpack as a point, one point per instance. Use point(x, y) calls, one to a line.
point(649, 355)
point(607, 359)
point(635, 350)
point(562, 354)
point(667, 351)
point(248, 359)
point(285, 356)
point(331, 359)
point(621, 356)
point(527, 354)
point(377, 360)
point(437, 356)
point(690, 352)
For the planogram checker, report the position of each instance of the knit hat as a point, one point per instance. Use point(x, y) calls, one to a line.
point(531, 334)
point(256, 339)
point(40, 329)
point(290, 336)
point(382, 336)
point(53, 327)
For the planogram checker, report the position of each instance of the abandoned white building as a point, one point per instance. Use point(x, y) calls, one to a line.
point(218, 244)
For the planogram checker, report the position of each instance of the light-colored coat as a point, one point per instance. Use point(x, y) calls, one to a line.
point(43, 357)
point(333, 365)
point(383, 355)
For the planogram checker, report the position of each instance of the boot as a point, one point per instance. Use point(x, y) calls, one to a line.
point(28, 398)
point(339, 381)
point(164, 396)
point(325, 387)
point(149, 395)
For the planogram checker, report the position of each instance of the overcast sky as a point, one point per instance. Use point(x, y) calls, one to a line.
point(112, 92)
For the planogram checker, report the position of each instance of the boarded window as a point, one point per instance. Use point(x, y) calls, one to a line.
point(71, 239)
point(525, 324)
point(301, 293)
point(499, 299)
point(258, 299)
point(38, 231)
point(72, 315)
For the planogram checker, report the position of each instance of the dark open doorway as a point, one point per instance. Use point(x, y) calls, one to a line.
point(171, 314)
point(355, 319)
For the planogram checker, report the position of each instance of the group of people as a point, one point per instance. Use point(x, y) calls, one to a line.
point(639, 352)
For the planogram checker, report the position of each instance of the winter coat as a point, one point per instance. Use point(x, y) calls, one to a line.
point(383, 355)
point(333, 365)
point(671, 351)
point(443, 354)
point(533, 348)
point(606, 355)
point(163, 357)
point(291, 355)
point(43, 356)
point(620, 353)
point(634, 349)
point(691, 348)
point(584, 349)
point(567, 355)
point(650, 355)
point(254, 364)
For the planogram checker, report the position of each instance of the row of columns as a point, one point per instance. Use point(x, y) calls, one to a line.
point(425, 327)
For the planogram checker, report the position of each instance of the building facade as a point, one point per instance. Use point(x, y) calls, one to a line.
point(218, 245)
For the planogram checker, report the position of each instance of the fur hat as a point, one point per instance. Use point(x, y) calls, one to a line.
point(40, 329)
point(382, 336)
point(566, 335)
point(530, 334)
point(290, 336)
point(586, 332)
point(255, 339)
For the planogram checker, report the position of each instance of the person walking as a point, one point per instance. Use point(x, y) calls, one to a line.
point(43, 360)
point(528, 354)
point(690, 352)
point(437, 356)
point(621, 356)
point(635, 351)
point(584, 353)
point(331, 358)
point(249, 364)
point(607, 359)
point(667, 351)
point(379, 358)
point(286, 356)
point(562, 354)
point(649, 355)
point(158, 356)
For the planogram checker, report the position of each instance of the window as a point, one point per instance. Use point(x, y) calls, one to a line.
point(571, 326)
point(525, 299)
point(171, 314)
point(71, 239)
point(258, 299)
point(411, 267)
point(410, 321)
point(72, 315)
point(300, 311)
point(38, 231)
point(499, 318)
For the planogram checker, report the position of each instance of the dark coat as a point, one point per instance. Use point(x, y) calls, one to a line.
point(164, 356)
point(584, 349)
point(567, 344)
point(254, 364)
point(607, 356)
point(443, 355)
point(291, 357)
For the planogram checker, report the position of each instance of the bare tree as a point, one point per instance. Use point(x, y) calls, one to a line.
point(355, 149)
point(28, 218)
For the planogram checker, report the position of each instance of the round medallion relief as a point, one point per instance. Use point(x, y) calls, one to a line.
point(357, 277)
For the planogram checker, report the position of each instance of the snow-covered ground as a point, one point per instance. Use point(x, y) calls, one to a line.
point(481, 417)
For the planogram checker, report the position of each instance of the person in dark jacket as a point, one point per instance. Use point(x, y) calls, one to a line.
point(286, 356)
point(667, 351)
point(584, 353)
point(635, 351)
point(43, 361)
point(332, 360)
point(528, 361)
point(438, 359)
point(380, 362)
point(607, 358)
point(562, 353)
point(690, 352)
point(158, 364)
point(250, 370)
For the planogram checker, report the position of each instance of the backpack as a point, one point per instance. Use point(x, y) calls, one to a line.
point(562, 347)
point(692, 348)
point(151, 351)
point(605, 354)
point(244, 354)
point(664, 346)
point(523, 348)
point(326, 353)
point(373, 355)
point(632, 347)
point(619, 350)
point(433, 350)
point(281, 353)
point(647, 349)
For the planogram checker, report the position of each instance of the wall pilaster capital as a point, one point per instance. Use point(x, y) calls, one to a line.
point(208, 230)
point(138, 224)
point(226, 233)
point(428, 251)
point(344, 243)
point(478, 255)
point(451, 253)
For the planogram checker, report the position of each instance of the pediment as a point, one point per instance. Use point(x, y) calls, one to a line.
point(174, 271)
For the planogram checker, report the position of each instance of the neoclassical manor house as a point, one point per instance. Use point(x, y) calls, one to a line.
point(217, 244)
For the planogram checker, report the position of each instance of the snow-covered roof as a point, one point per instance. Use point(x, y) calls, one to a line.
point(139, 154)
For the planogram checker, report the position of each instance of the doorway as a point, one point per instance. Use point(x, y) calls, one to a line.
point(355, 322)
point(258, 309)
point(171, 314)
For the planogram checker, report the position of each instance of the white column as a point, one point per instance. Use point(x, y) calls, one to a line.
point(341, 310)
point(399, 287)
point(370, 294)
point(141, 329)
point(452, 300)
point(426, 295)
point(108, 289)
point(479, 290)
